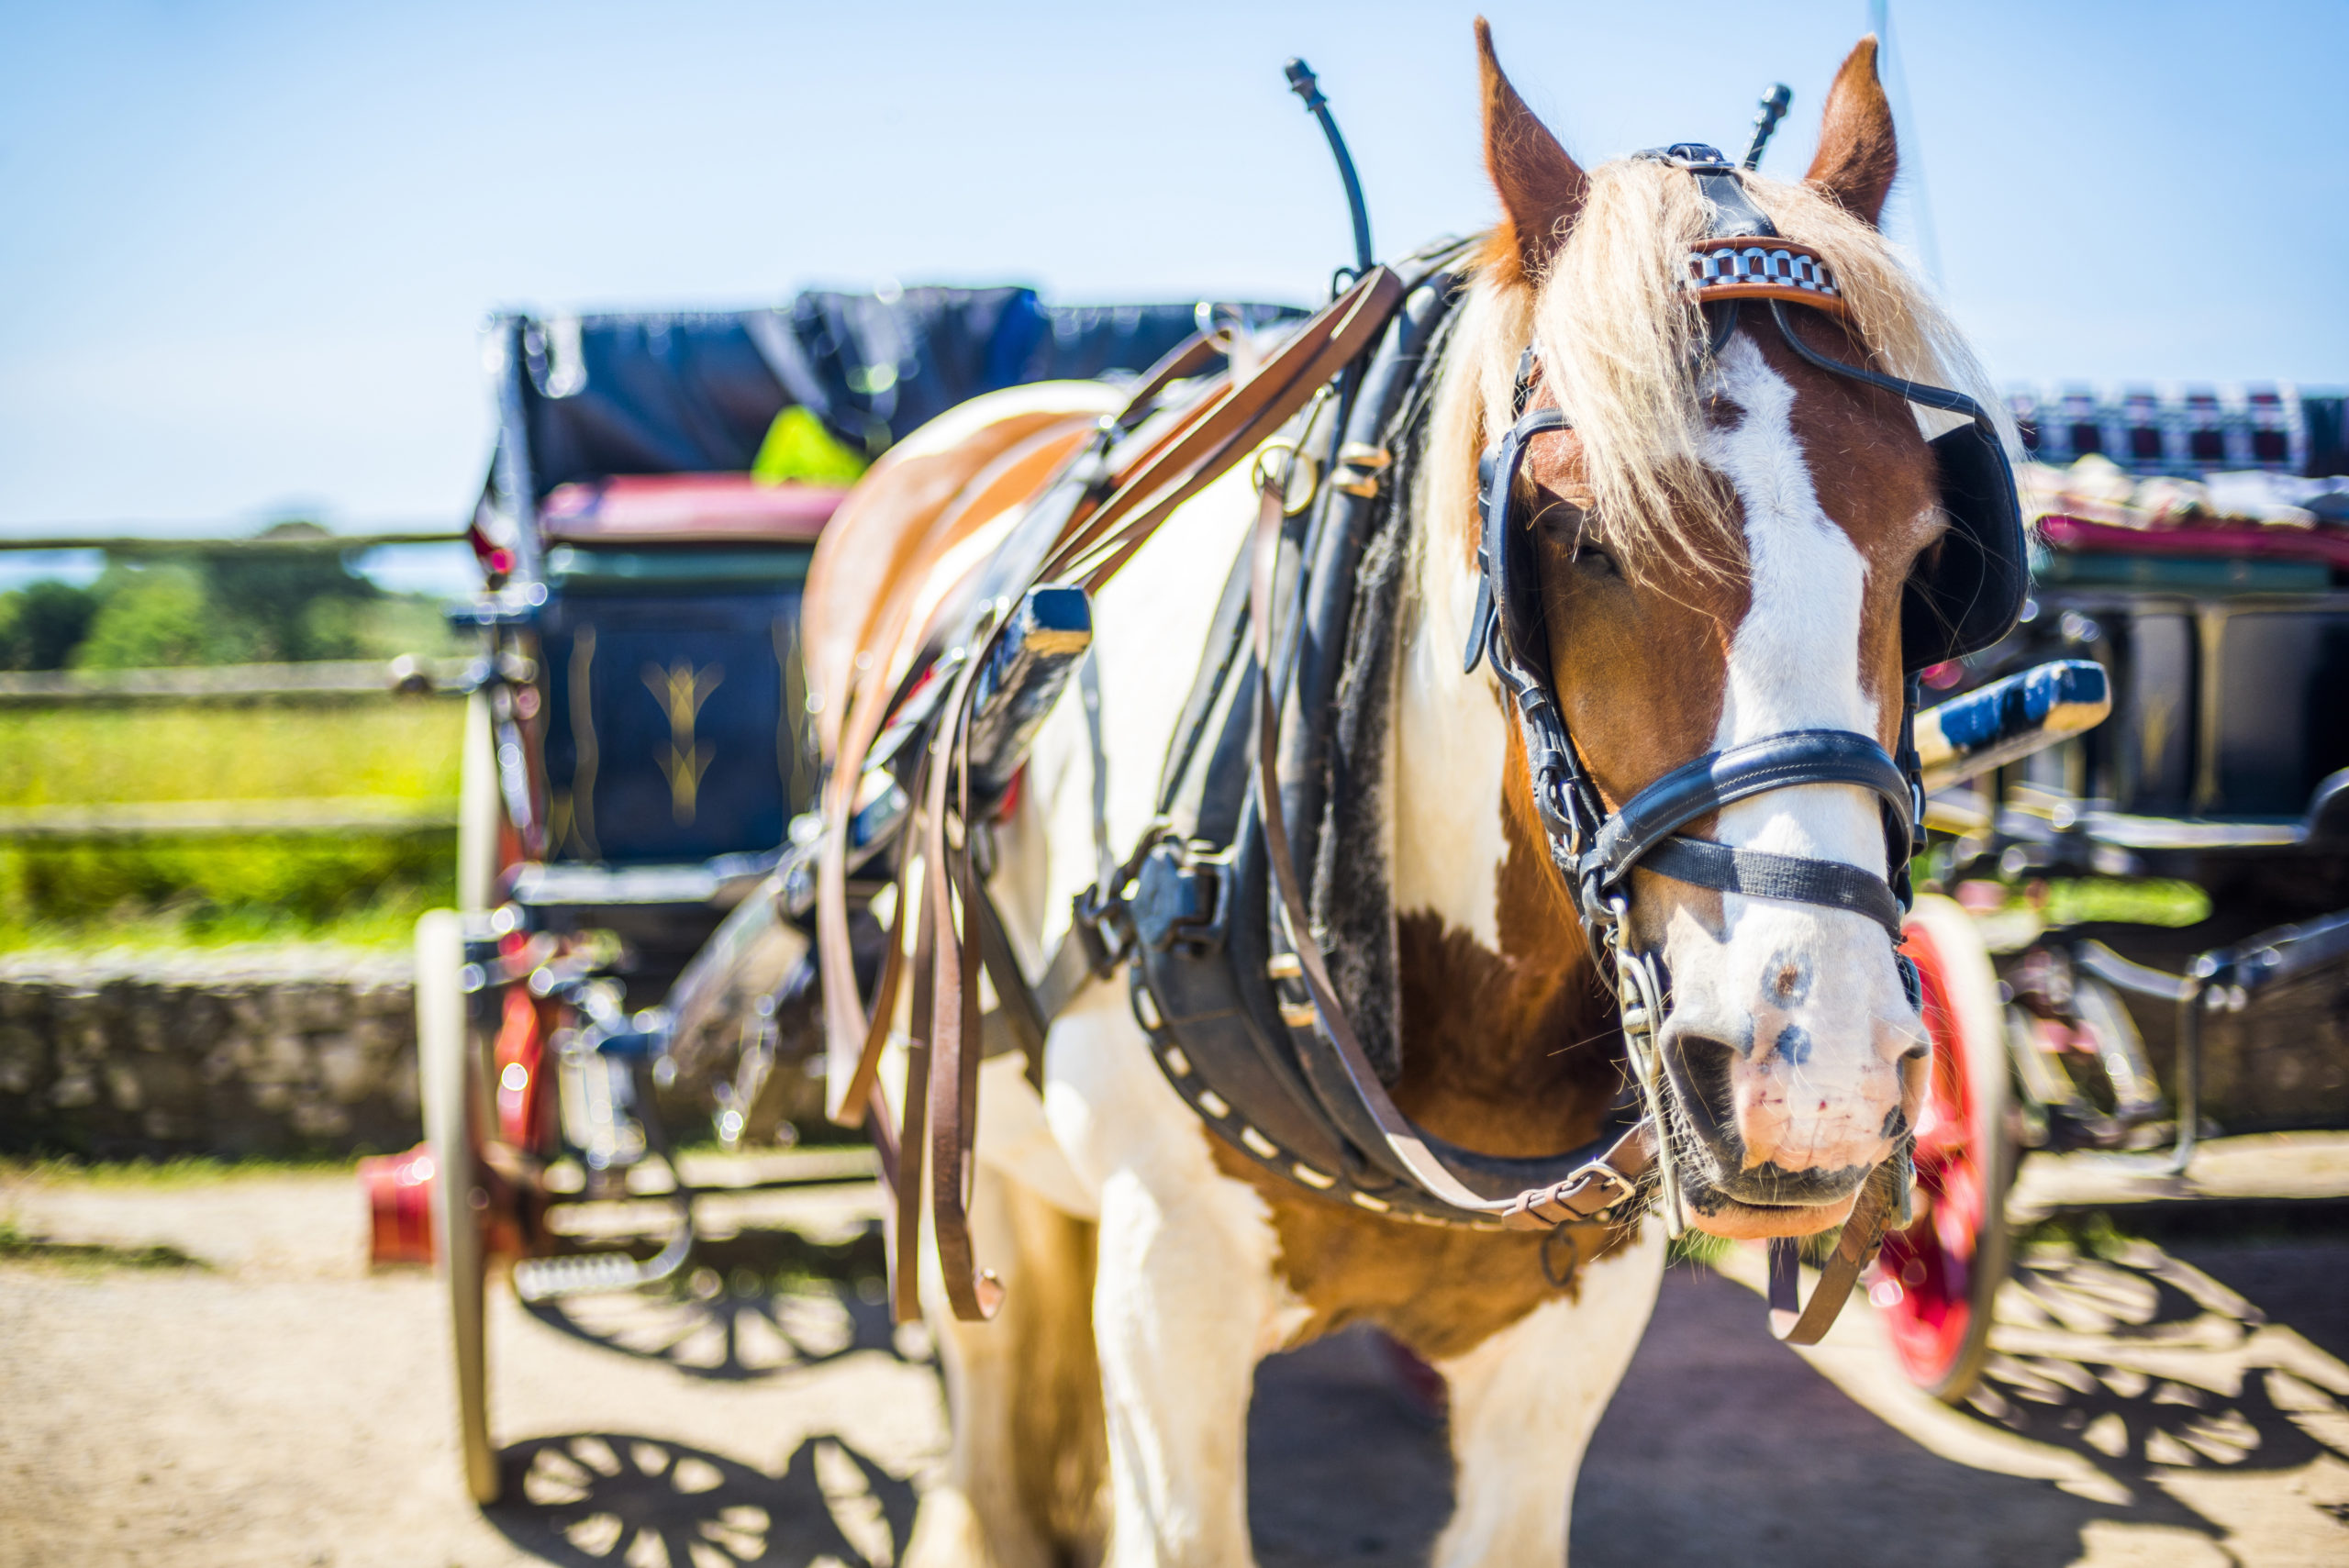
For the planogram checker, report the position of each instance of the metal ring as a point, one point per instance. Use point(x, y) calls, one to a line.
point(1294, 500)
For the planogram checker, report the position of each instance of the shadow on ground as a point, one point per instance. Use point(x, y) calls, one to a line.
point(751, 1305)
point(1721, 1446)
point(2145, 1364)
point(1724, 1446)
point(600, 1499)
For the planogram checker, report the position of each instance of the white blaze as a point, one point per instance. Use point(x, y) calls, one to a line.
point(1807, 996)
point(1794, 662)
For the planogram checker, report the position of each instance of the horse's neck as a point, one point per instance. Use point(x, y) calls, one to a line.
point(1495, 982)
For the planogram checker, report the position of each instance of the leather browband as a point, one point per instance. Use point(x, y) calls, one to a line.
point(1723, 271)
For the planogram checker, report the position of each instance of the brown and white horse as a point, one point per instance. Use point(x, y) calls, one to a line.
point(1723, 543)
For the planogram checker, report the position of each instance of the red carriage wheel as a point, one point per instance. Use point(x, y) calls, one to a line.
point(1936, 1280)
point(454, 1114)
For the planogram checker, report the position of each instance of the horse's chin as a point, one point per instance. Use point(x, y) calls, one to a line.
point(1726, 1217)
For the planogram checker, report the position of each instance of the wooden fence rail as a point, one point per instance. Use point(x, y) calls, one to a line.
point(333, 680)
point(131, 542)
point(185, 819)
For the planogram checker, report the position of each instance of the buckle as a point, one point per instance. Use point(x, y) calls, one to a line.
point(1552, 1207)
point(1598, 1171)
point(1180, 899)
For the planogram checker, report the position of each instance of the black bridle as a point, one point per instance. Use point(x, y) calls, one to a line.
point(1594, 849)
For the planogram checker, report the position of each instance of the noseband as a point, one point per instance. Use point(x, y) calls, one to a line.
point(1740, 259)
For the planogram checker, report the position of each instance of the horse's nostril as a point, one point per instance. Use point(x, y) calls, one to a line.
point(1702, 1051)
point(1699, 1061)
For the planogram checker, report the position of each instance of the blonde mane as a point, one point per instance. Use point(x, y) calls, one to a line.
point(1621, 338)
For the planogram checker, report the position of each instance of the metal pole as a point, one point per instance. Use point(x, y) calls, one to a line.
point(1774, 110)
point(1301, 81)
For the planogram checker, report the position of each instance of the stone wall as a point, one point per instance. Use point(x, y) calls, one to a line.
point(227, 1051)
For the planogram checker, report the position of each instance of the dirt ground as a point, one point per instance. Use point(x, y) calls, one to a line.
point(274, 1403)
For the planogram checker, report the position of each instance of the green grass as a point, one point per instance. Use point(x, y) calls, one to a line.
point(381, 917)
point(16, 1247)
point(209, 890)
point(153, 1175)
point(2136, 903)
point(1700, 1249)
point(361, 889)
point(79, 756)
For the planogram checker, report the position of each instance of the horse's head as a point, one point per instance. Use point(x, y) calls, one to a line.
point(1722, 540)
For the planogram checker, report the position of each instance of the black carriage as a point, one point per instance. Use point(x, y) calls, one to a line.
point(635, 756)
point(2141, 936)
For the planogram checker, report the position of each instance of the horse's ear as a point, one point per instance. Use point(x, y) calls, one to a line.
point(1856, 156)
point(1541, 188)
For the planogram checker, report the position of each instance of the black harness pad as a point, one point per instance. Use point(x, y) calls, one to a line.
point(1205, 981)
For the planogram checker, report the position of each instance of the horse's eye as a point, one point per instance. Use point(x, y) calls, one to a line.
point(1594, 559)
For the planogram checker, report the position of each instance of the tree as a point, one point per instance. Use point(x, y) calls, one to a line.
point(291, 606)
point(153, 615)
point(42, 623)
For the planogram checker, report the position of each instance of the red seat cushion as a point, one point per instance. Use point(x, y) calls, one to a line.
point(686, 508)
point(2251, 540)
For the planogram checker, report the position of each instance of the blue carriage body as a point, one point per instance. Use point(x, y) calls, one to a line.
point(643, 587)
point(667, 627)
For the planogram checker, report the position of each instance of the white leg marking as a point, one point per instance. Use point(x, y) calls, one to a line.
point(1184, 1297)
point(1524, 1404)
point(1179, 1306)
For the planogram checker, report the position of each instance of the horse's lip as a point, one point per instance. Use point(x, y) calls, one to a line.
point(1726, 1217)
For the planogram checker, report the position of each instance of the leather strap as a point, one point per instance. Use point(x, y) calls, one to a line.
point(1232, 425)
point(1188, 358)
point(1530, 1210)
point(1796, 879)
point(948, 878)
point(1806, 1323)
point(1939, 397)
point(903, 1174)
point(1600, 1190)
point(1777, 761)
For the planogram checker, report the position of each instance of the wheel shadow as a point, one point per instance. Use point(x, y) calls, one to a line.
point(1722, 1447)
point(747, 1307)
point(603, 1499)
point(2146, 1365)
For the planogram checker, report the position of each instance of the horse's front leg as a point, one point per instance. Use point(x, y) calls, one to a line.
point(1523, 1406)
point(1179, 1304)
point(1183, 1298)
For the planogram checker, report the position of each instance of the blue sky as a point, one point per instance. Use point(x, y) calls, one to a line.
point(246, 247)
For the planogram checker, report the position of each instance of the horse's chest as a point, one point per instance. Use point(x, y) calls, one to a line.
point(1441, 1291)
